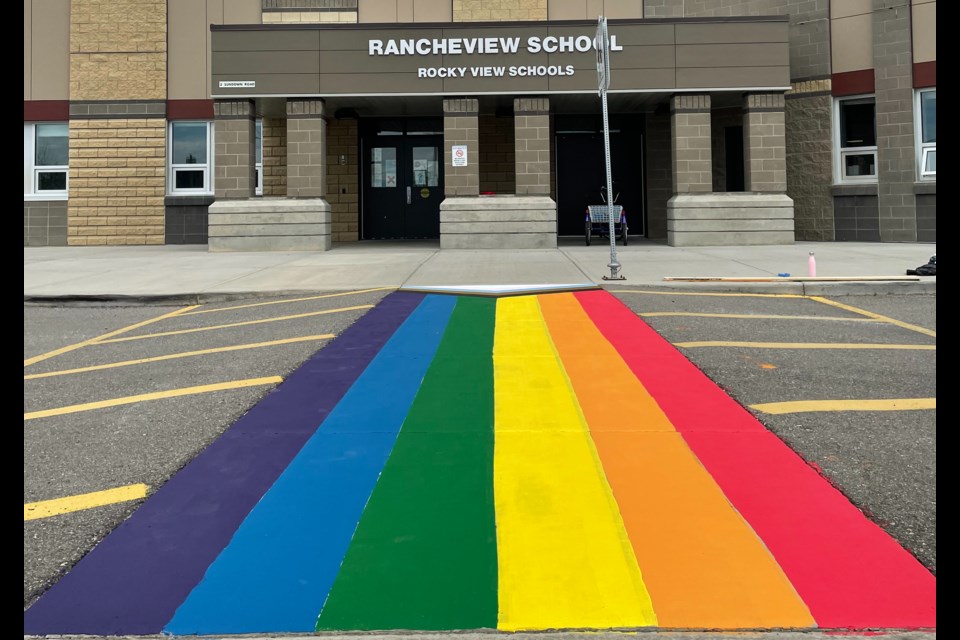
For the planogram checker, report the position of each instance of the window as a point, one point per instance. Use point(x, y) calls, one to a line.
point(45, 151)
point(190, 154)
point(259, 160)
point(856, 139)
point(927, 133)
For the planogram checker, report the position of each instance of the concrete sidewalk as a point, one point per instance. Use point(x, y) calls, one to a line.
point(178, 271)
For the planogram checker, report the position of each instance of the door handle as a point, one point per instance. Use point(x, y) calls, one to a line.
point(408, 195)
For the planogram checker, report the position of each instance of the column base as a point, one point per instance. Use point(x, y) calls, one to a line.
point(269, 224)
point(498, 222)
point(729, 219)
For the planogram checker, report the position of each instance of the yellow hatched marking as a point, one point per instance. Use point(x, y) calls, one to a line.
point(709, 294)
point(72, 347)
point(746, 316)
point(876, 316)
point(59, 506)
point(806, 345)
point(174, 356)
point(237, 324)
point(564, 558)
point(156, 395)
point(308, 298)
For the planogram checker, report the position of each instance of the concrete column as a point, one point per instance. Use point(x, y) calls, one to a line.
point(531, 121)
point(460, 127)
point(306, 148)
point(690, 143)
point(893, 74)
point(764, 143)
point(234, 153)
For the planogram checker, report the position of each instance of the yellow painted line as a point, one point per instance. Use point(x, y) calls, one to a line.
point(174, 356)
point(72, 347)
point(805, 406)
point(746, 316)
point(806, 345)
point(563, 555)
point(876, 316)
point(156, 395)
point(59, 506)
point(709, 294)
point(264, 304)
point(236, 324)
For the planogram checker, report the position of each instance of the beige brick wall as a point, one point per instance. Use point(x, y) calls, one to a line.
point(497, 170)
point(690, 143)
point(118, 49)
point(233, 149)
point(274, 157)
point(764, 143)
point(343, 185)
point(308, 17)
point(532, 140)
point(498, 10)
point(306, 149)
point(117, 170)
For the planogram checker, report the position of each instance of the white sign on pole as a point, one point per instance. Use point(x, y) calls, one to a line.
point(602, 40)
point(459, 155)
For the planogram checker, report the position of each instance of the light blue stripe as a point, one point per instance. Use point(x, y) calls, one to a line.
point(275, 574)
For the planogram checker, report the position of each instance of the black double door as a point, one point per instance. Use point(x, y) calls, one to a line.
point(403, 186)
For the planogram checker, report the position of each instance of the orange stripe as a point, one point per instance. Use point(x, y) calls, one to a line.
point(702, 563)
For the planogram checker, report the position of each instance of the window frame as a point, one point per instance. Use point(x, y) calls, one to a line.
point(840, 152)
point(923, 148)
point(31, 170)
point(258, 166)
point(207, 167)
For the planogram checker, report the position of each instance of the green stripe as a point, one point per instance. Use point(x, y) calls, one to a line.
point(424, 555)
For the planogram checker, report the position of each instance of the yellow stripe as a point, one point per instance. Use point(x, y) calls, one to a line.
point(173, 356)
point(157, 395)
point(876, 316)
point(264, 304)
point(59, 506)
point(804, 406)
point(564, 559)
point(709, 294)
point(806, 345)
point(72, 347)
point(744, 316)
point(237, 324)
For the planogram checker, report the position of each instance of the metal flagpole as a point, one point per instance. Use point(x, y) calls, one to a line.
point(603, 82)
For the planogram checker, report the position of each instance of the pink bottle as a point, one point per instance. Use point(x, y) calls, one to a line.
point(812, 266)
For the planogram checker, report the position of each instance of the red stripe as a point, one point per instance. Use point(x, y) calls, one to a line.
point(847, 570)
point(189, 109)
point(851, 83)
point(46, 110)
point(924, 74)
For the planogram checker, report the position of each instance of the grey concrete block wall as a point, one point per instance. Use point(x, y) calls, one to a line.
point(186, 219)
point(810, 159)
point(856, 217)
point(45, 223)
point(926, 217)
point(531, 117)
point(690, 153)
point(893, 74)
point(663, 8)
point(233, 143)
point(659, 176)
point(461, 127)
point(764, 143)
point(270, 224)
point(498, 222)
point(306, 149)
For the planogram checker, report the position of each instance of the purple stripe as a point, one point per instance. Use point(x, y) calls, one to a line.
point(134, 580)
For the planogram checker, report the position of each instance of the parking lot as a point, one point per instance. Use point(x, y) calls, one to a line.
point(117, 398)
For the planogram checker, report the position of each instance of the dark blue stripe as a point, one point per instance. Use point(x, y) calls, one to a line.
point(277, 571)
point(134, 580)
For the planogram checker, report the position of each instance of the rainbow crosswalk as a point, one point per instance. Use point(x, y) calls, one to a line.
point(517, 463)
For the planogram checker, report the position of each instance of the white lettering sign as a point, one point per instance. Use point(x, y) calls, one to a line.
point(470, 46)
point(237, 84)
point(459, 155)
